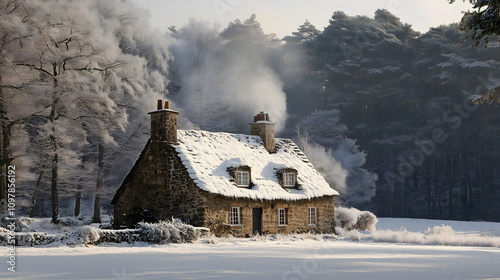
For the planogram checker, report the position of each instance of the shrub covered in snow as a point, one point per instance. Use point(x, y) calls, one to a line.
point(159, 233)
point(347, 219)
point(83, 236)
point(119, 236)
point(32, 238)
point(168, 232)
point(437, 235)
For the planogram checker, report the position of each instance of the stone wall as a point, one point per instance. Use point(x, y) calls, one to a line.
point(263, 127)
point(164, 126)
point(219, 210)
point(266, 132)
point(160, 183)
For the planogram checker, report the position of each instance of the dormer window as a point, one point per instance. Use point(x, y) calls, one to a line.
point(242, 178)
point(289, 178)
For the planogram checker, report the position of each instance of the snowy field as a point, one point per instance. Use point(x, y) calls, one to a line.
point(294, 257)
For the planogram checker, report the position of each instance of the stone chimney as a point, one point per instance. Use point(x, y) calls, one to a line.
point(263, 127)
point(164, 124)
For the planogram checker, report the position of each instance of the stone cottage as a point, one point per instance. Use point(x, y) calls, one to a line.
point(229, 183)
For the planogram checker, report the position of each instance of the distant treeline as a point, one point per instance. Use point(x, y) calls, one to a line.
point(78, 77)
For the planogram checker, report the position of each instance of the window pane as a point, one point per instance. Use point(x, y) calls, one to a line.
point(242, 178)
point(235, 215)
point(312, 216)
point(282, 216)
point(289, 179)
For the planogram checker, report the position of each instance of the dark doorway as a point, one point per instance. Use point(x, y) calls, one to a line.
point(257, 220)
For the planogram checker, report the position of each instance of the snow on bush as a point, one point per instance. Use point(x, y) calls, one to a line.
point(160, 233)
point(119, 236)
point(347, 219)
point(33, 238)
point(168, 232)
point(83, 236)
point(438, 235)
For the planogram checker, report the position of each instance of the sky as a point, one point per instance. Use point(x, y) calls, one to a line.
point(283, 17)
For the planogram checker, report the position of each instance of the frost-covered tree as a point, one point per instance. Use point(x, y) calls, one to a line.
point(197, 68)
point(393, 91)
point(323, 139)
point(483, 22)
point(10, 31)
point(80, 74)
point(62, 68)
point(306, 32)
point(132, 88)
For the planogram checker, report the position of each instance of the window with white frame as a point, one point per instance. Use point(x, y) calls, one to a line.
point(282, 216)
point(311, 216)
point(235, 215)
point(289, 179)
point(243, 178)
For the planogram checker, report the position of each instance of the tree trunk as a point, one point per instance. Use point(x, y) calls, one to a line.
point(434, 190)
point(55, 160)
point(463, 187)
point(53, 191)
point(483, 184)
point(450, 179)
point(470, 192)
point(4, 153)
point(3, 170)
point(426, 173)
point(414, 192)
point(78, 198)
point(404, 202)
point(79, 191)
point(43, 207)
point(35, 194)
point(99, 185)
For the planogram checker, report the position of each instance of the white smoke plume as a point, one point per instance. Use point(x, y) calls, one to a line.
point(223, 78)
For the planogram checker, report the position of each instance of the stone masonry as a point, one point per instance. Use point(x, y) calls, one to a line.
point(219, 209)
point(264, 128)
point(160, 183)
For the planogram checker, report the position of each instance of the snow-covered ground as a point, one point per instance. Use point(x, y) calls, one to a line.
point(295, 257)
point(414, 225)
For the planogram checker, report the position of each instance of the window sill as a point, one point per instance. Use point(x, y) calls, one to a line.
point(282, 225)
point(237, 225)
point(312, 225)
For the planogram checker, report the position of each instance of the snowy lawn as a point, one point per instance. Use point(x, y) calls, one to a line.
point(306, 257)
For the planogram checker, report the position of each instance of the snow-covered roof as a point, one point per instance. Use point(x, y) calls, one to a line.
point(208, 156)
